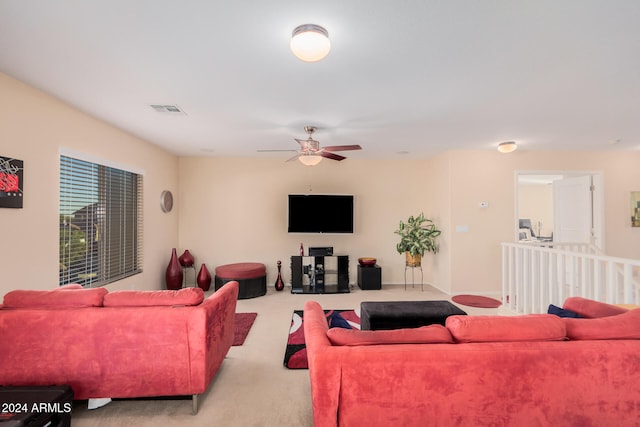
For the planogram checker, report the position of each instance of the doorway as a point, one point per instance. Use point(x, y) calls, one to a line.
point(561, 206)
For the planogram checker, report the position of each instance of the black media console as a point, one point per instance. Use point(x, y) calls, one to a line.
point(319, 274)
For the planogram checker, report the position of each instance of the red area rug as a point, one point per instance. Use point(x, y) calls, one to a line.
point(243, 323)
point(295, 355)
point(476, 301)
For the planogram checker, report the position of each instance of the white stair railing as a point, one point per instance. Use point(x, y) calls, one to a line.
point(535, 275)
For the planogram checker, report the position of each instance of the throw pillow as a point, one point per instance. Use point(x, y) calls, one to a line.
point(180, 297)
point(561, 312)
point(530, 327)
point(621, 327)
point(432, 334)
point(337, 321)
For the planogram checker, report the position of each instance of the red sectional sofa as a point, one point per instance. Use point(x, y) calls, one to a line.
point(531, 370)
point(117, 344)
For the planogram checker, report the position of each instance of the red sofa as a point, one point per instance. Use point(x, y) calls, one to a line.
point(118, 344)
point(531, 370)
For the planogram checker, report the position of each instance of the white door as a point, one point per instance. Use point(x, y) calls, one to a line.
point(573, 210)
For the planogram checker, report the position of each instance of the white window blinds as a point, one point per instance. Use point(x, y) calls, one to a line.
point(100, 223)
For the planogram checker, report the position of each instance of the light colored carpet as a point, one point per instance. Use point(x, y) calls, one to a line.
point(253, 388)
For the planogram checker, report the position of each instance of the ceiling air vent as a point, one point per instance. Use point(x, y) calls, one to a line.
point(170, 109)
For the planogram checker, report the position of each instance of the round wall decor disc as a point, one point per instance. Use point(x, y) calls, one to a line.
point(166, 201)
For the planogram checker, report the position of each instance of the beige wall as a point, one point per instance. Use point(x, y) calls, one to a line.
point(477, 176)
point(235, 209)
point(232, 209)
point(437, 267)
point(33, 128)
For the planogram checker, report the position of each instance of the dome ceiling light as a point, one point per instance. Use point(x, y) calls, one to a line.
point(507, 147)
point(310, 42)
point(310, 159)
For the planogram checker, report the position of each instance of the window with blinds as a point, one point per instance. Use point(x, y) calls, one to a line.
point(100, 223)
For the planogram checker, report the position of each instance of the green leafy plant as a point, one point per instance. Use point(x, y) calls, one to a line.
point(417, 236)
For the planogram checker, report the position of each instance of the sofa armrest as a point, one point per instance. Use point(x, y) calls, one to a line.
point(590, 308)
point(324, 366)
point(212, 333)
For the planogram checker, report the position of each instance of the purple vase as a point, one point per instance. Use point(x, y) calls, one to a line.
point(186, 259)
point(204, 278)
point(173, 275)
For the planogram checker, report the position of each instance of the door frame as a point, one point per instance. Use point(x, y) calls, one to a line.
point(598, 199)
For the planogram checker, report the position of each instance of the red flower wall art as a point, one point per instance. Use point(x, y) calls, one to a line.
point(11, 182)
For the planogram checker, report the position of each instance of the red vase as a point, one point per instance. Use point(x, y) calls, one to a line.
point(186, 259)
point(279, 285)
point(173, 275)
point(204, 278)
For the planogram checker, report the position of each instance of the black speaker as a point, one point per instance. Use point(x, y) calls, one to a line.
point(321, 251)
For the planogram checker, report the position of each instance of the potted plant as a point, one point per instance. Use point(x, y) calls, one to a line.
point(417, 236)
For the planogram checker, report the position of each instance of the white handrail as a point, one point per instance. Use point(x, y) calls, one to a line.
point(536, 274)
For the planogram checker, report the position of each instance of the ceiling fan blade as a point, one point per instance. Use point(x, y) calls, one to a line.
point(270, 151)
point(294, 157)
point(331, 155)
point(342, 147)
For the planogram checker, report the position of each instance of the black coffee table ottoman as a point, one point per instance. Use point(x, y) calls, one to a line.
point(380, 315)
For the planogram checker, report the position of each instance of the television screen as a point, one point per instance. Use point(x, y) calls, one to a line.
point(317, 213)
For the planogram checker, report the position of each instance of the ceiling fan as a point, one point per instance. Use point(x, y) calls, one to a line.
point(311, 153)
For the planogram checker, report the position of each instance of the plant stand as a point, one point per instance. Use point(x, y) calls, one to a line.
point(413, 268)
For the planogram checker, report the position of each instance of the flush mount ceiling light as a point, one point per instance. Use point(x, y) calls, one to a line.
point(507, 147)
point(310, 42)
point(310, 159)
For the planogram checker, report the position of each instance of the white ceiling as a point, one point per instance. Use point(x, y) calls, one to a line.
point(416, 76)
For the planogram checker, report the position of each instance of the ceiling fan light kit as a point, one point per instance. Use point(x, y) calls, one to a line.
point(310, 159)
point(507, 147)
point(310, 42)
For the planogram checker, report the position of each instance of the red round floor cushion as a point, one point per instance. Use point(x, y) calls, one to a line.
point(241, 270)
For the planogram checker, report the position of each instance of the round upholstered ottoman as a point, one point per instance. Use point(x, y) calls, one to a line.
point(252, 277)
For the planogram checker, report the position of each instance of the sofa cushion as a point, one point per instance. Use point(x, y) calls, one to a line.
point(431, 334)
point(70, 298)
point(620, 327)
point(531, 327)
point(590, 308)
point(128, 298)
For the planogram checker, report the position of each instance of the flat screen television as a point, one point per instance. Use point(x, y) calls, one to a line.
point(320, 213)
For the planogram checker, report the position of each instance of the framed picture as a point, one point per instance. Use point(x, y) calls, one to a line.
point(11, 182)
point(635, 208)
